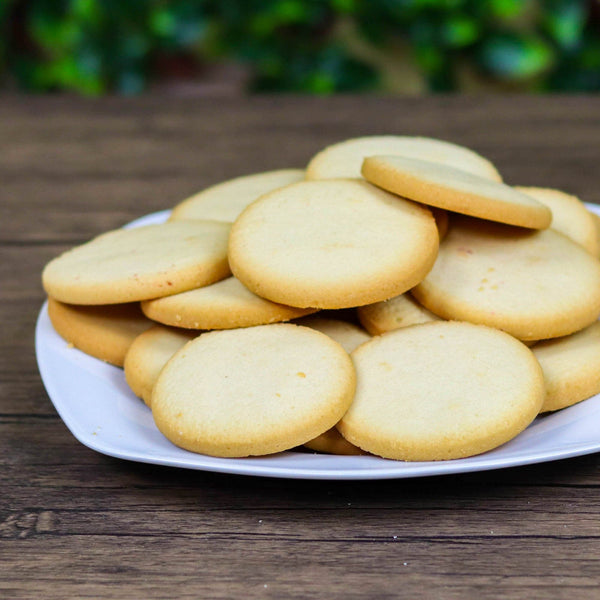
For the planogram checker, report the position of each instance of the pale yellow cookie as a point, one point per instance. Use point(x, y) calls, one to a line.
point(253, 391)
point(532, 284)
point(148, 354)
point(571, 367)
point(225, 201)
point(452, 189)
point(441, 390)
point(344, 159)
point(223, 305)
point(394, 313)
point(126, 265)
point(332, 442)
point(349, 336)
point(332, 244)
point(569, 216)
point(105, 332)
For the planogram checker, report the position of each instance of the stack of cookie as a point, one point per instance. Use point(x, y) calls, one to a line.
point(457, 307)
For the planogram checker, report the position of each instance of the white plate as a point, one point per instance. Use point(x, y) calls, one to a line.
point(97, 406)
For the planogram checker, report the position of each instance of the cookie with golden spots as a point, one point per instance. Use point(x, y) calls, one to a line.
point(413, 402)
point(532, 284)
point(128, 265)
point(253, 391)
point(226, 304)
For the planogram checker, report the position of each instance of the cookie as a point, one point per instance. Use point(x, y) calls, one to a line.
point(126, 265)
point(441, 390)
point(532, 284)
point(223, 305)
point(569, 216)
point(349, 336)
point(148, 354)
point(571, 367)
point(596, 220)
point(225, 201)
point(332, 244)
point(332, 442)
point(452, 189)
point(394, 313)
point(253, 391)
point(344, 159)
point(104, 332)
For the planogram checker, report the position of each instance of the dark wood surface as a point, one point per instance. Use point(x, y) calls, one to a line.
point(74, 523)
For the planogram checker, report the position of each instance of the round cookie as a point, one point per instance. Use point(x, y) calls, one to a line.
point(223, 305)
point(569, 216)
point(126, 265)
point(332, 244)
point(452, 189)
point(532, 284)
point(412, 401)
point(348, 335)
point(332, 442)
point(571, 367)
point(148, 354)
point(104, 332)
point(394, 313)
point(226, 200)
point(253, 391)
point(344, 159)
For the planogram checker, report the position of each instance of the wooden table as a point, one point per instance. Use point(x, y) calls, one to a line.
point(74, 523)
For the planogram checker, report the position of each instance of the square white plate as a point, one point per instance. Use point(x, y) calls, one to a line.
point(98, 407)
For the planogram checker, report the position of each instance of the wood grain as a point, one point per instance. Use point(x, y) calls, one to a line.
point(75, 524)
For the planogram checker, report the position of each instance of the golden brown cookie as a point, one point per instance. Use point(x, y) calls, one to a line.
point(253, 391)
point(452, 189)
point(344, 159)
point(105, 332)
point(441, 390)
point(332, 244)
point(148, 354)
point(223, 305)
point(571, 367)
point(532, 284)
point(127, 265)
point(394, 313)
point(569, 216)
point(225, 201)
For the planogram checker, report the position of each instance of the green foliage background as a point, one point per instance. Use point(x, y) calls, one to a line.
point(95, 47)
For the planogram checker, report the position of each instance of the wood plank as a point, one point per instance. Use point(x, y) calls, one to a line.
point(225, 567)
point(75, 523)
point(129, 159)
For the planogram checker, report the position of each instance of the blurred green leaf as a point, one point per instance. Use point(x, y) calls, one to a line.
point(97, 46)
point(459, 31)
point(514, 57)
point(564, 21)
